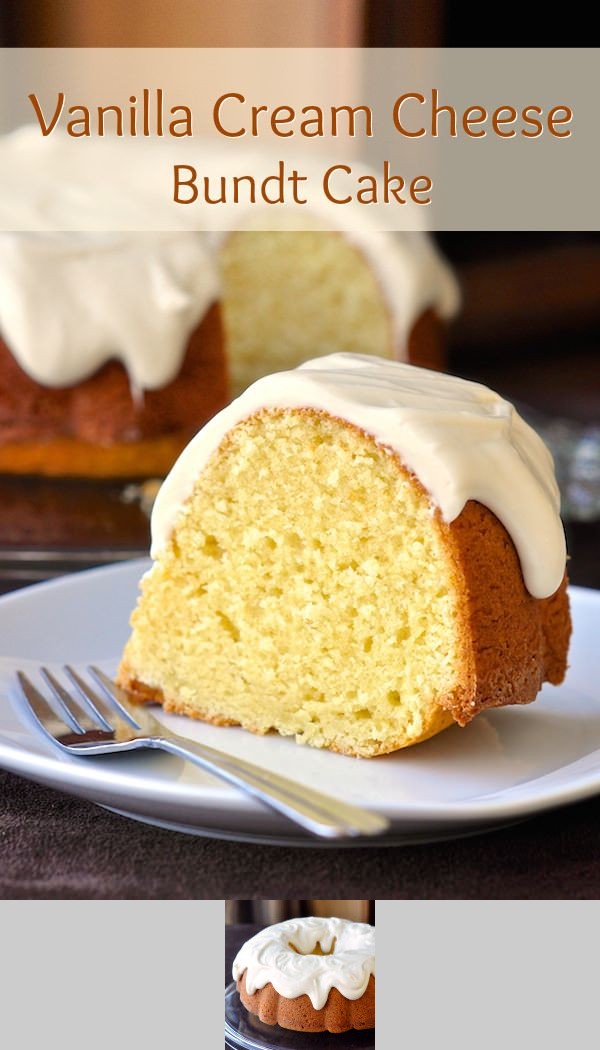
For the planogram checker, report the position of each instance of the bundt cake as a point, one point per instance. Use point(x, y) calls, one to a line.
point(357, 553)
point(116, 347)
point(111, 351)
point(310, 975)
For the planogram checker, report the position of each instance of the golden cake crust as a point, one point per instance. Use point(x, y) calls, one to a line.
point(67, 457)
point(427, 342)
point(96, 428)
point(512, 642)
point(338, 1015)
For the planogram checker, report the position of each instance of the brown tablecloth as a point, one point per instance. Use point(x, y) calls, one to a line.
point(53, 846)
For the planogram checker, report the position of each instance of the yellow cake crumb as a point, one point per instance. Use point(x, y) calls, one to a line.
point(304, 590)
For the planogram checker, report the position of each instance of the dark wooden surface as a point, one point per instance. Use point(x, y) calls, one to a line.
point(52, 526)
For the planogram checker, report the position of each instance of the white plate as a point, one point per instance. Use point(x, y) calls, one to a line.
point(506, 766)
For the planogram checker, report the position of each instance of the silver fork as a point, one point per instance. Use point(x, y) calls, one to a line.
point(100, 723)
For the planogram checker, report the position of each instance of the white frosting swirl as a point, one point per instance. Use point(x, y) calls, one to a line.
point(269, 958)
point(461, 440)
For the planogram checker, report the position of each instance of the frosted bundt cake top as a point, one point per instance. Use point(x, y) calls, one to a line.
point(309, 956)
point(461, 440)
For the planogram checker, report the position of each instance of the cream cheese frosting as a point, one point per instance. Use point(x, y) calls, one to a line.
point(71, 301)
point(281, 956)
point(461, 440)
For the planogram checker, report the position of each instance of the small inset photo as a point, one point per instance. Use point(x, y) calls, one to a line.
point(299, 974)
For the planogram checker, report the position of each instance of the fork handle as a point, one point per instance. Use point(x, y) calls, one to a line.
point(320, 814)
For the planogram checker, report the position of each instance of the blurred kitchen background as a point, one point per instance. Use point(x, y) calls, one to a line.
point(530, 322)
point(266, 912)
point(264, 23)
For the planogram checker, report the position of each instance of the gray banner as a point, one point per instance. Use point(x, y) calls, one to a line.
point(210, 139)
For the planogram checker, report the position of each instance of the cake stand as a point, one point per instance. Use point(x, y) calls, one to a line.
point(244, 1031)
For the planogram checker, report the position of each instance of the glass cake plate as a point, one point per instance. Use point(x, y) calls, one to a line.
point(244, 1031)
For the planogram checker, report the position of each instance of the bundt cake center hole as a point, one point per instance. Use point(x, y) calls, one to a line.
point(317, 950)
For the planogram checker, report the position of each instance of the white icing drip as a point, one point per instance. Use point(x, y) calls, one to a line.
point(267, 958)
point(71, 301)
point(462, 441)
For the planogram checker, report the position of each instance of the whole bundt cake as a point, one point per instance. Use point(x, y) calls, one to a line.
point(357, 553)
point(116, 347)
point(310, 975)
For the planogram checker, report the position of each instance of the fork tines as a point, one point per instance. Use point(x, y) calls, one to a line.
point(82, 710)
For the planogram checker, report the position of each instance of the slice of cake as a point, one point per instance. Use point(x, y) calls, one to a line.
point(357, 553)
